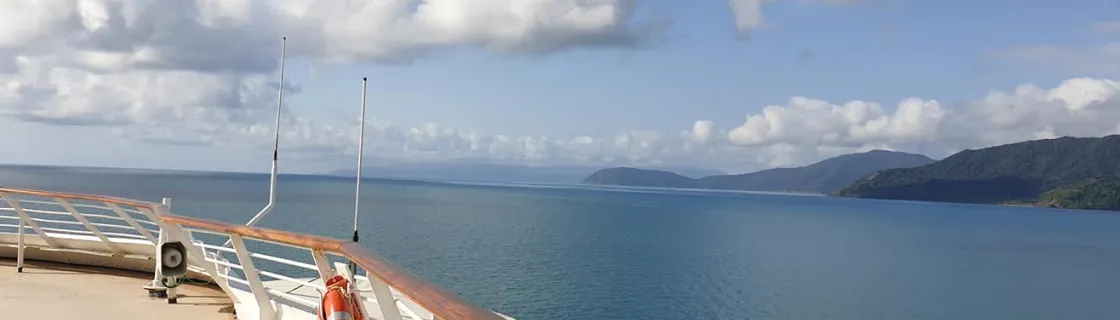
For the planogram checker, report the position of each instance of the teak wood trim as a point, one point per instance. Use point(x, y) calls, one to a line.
point(78, 196)
point(285, 237)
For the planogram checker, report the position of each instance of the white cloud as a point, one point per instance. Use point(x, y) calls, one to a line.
point(1076, 107)
point(241, 34)
point(748, 14)
point(199, 73)
point(702, 132)
point(806, 130)
point(802, 131)
point(134, 97)
point(399, 29)
point(808, 121)
point(113, 60)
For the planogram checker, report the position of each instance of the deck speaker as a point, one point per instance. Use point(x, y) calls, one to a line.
point(173, 259)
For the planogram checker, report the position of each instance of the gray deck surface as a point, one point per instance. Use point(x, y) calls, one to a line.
point(59, 291)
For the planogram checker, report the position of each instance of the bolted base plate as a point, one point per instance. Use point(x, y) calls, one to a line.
point(156, 292)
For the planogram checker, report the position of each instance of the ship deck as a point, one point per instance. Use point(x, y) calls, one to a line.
point(47, 290)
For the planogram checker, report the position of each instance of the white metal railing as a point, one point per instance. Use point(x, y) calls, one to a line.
point(291, 290)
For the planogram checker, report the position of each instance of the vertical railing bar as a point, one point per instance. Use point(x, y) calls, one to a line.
point(132, 222)
point(157, 274)
point(385, 299)
point(407, 310)
point(266, 310)
point(78, 215)
point(172, 294)
point(23, 217)
point(19, 247)
point(322, 264)
point(387, 312)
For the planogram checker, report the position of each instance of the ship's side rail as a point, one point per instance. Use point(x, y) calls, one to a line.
point(46, 220)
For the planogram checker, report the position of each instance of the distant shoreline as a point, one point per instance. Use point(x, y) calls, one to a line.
point(622, 187)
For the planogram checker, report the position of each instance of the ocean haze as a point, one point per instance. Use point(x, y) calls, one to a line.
point(822, 177)
point(589, 252)
point(499, 172)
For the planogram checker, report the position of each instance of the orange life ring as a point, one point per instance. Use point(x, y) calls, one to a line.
point(338, 303)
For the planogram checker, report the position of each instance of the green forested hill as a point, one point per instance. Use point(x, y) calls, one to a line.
point(1015, 172)
point(626, 176)
point(1096, 193)
point(822, 177)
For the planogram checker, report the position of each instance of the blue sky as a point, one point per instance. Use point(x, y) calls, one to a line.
point(879, 50)
point(585, 100)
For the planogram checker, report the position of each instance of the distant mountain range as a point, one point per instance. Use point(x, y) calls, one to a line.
point(1065, 172)
point(494, 172)
point(1078, 173)
point(821, 177)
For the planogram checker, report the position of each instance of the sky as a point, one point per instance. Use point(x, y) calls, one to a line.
point(737, 85)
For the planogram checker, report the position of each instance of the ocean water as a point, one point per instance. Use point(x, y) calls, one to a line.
point(539, 252)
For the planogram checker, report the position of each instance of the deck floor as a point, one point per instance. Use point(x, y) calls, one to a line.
point(48, 290)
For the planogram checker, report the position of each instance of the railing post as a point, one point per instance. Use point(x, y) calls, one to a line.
point(172, 294)
point(175, 232)
point(156, 288)
point(322, 264)
point(19, 247)
point(193, 251)
point(385, 299)
point(254, 279)
point(389, 312)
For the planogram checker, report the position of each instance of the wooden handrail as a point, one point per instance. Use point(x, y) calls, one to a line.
point(285, 237)
point(437, 300)
point(78, 196)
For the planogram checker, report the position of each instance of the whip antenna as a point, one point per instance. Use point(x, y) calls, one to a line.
point(275, 144)
point(357, 185)
point(361, 147)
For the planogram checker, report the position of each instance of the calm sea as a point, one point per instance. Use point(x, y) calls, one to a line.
point(600, 253)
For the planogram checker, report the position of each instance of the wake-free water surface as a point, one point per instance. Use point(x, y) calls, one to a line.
point(601, 253)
